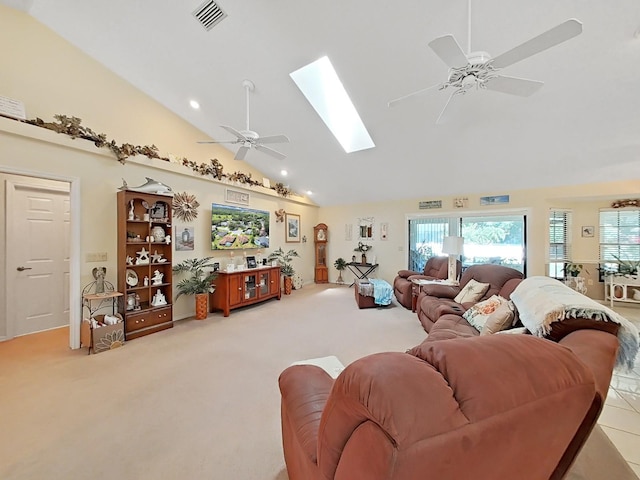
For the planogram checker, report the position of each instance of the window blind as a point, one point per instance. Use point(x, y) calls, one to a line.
point(559, 241)
point(619, 236)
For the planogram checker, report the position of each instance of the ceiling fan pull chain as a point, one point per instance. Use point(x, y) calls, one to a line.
point(469, 28)
point(246, 88)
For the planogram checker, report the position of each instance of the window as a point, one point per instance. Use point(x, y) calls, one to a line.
point(619, 237)
point(498, 239)
point(425, 240)
point(559, 242)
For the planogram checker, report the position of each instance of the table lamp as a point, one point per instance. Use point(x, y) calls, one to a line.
point(452, 246)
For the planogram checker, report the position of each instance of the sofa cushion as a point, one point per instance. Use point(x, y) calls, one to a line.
point(478, 314)
point(500, 319)
point(472, 292)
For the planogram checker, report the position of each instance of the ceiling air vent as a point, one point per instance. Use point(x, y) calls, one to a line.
point(209, 14)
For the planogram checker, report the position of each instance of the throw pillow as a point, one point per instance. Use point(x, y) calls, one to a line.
point(478, 314)
point(472, 292)
point(500, 319)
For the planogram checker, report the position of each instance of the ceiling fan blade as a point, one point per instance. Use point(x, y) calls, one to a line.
point(449, 51)
point(393, 103)
point(270, 151)
point(235, 132)
point(514, 85)
point(445, 114)
point(232, 141)
point(242, 152)
point(274, 139)
point(548, 39)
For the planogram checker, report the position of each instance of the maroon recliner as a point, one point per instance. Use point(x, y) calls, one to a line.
point(436, 268)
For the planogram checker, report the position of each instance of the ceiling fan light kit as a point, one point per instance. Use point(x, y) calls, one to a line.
point(248, 139)
point(480, 71)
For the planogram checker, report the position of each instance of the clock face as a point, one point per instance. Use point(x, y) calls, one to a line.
point(297, 281)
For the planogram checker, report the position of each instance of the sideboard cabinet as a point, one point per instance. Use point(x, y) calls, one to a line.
point(244, 287)
point(144, 262)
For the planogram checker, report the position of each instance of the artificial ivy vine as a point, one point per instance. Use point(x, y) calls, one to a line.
point(72, 126)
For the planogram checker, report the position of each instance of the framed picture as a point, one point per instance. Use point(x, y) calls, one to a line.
point(292, 223)
point(494, 200)
point(184, 238)
point(233, 196)
point(251, 262)
point(158, 210)
point(588, 231)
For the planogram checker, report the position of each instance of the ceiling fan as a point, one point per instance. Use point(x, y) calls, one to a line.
point(248, 139)
point(480, 71)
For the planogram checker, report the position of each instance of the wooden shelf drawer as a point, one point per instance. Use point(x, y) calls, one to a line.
point(147, 319)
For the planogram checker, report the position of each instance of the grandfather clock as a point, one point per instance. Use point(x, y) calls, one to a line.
point(320, 236)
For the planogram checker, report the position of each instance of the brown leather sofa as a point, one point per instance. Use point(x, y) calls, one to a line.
point(436, 268)
point(489, 408)
point(436, 301)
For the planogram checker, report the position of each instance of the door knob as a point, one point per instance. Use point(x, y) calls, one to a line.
point(22, 269)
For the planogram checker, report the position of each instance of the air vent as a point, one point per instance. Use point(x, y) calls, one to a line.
point(209, 14)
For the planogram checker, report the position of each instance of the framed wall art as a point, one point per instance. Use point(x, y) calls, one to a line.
point(292, 224)
point(588, 231)
point(184, 238)
point(233, 196)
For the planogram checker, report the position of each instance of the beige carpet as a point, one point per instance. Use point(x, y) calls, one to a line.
point(198, 401)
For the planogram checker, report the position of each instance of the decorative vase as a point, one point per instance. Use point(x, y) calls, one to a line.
point(618, 291)
point(158, 234)
point(364, 259)
point(288, 285)
point(340, 280)
point(201, 305)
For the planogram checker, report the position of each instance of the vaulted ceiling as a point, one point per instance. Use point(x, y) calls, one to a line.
point(582, 126)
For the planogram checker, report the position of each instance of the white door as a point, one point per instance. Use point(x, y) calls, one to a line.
point(38, 241)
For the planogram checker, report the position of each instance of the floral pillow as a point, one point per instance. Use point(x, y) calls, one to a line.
point(478, 314)
point(500, 319)
point(472, 292)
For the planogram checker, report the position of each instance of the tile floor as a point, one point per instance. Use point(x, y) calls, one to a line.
point(620, 418)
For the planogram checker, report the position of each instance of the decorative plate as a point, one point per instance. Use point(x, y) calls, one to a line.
point(131, 277)
point(297, 281)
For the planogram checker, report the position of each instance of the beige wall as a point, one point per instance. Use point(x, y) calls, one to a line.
point(585, 201)
point(52, 77)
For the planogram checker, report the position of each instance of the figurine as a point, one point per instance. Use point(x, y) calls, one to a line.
point(131, 210)
point(143, 257)
point(146, 281)
point(167, 239)
point(157, 277)
point(99, 273)
point(158, 299)
point(129, 260)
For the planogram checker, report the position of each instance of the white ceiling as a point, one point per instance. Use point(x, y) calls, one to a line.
point(582, 126)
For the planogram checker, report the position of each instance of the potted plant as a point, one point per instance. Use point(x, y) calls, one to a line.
point(340, 265)
point(198, 283)
point(286, 269)
point(573, 269)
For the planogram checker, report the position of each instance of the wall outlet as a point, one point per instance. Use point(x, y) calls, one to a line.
point(590, 281)
point(97, 257)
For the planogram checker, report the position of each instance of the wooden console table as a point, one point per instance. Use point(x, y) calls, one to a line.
point(244, 287)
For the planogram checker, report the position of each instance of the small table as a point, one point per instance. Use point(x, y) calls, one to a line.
point(361, 270)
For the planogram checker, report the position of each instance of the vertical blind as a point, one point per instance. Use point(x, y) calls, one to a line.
point(619, 235)
point(425, 239)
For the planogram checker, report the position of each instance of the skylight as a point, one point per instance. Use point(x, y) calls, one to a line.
point(320, 84)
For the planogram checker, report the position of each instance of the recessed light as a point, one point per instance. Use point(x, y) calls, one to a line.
point(195, 105)
point(309, 192)
point(284, 173)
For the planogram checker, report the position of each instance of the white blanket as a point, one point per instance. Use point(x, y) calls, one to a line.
point(542, 300)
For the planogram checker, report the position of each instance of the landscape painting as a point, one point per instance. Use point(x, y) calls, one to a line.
point(238, 228)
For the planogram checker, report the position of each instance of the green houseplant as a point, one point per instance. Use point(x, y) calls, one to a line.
point(198, 283)
point(340, 265)
point(286, 269)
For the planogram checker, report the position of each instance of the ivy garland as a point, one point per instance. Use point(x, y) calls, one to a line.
point(72, 126)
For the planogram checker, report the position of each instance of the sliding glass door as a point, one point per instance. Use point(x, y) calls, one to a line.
point(497, 239)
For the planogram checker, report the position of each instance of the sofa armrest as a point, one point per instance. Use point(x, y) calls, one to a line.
point(304, 390)
point(440, 291)
point(407, 273)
